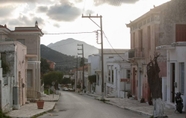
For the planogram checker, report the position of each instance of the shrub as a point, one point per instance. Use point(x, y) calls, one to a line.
point(3, 115)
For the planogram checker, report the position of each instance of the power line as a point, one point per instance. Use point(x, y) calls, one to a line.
point(112, 46)
point(68, 33)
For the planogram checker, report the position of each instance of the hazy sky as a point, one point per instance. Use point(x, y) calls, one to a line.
point(63, 18)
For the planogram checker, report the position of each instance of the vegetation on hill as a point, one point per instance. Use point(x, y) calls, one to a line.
point(63, 62)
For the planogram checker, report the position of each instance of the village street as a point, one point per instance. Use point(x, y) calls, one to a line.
point(74, 105)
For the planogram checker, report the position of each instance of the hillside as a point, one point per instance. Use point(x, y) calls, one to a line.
point(69, 47)
point(63, 62)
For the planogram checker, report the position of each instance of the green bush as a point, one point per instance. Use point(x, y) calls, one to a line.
point(46, 91)
point(3, 115)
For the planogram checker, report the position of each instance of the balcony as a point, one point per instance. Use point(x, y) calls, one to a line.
point(136, 53)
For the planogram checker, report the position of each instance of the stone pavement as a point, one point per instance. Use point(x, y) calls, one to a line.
point(136, 106)
point(31, 110)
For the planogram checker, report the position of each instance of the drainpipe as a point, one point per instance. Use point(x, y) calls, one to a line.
point(15, 87)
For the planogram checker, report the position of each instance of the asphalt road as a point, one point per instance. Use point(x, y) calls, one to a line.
point(73, 105)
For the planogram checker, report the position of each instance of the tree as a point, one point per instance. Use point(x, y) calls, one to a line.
point(154, 82)
point(45, 67)
point(54, 76)
point(66, 81)
point(82, 62)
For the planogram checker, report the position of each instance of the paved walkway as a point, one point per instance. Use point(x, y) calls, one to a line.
point(141, 108)
point(30, 110)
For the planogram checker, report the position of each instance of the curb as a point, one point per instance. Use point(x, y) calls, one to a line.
point(135, 111)
point(39, 114)
point(126, 108)
point(139, 112)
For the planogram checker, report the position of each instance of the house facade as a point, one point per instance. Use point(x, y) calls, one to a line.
point(30, 37)
point(144, 33)
point(173, 30)
point(78, 75)
point(118, 76)
point(107, 53)
point(94, 70)
point(13, 78)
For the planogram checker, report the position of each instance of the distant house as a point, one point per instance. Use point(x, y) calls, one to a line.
point(78, 77)
point(118, 75)
point(110, 58)
point(51, 64)
point(93, 70)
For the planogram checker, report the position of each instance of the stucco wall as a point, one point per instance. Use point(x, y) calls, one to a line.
point(174, 13)
point(32, 43)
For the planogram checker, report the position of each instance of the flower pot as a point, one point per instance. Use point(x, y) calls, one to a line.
point(40, 104)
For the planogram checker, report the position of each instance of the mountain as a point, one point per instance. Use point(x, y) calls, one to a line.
point(63, 62)
point(69, 47)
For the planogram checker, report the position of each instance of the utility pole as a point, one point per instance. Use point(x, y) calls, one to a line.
point(102, 64)
point(83, 63)
point(76, 78)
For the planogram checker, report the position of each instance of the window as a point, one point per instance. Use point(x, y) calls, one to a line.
point(182, 69)
point(140, 39)
point(180, 32)
point(128, 74)
point(149, 37)
point(133, 42)
point(97, 79)
point(109, 76)
point(21, 41)
point(29, 78)
point(112, 76)
point(5, 64)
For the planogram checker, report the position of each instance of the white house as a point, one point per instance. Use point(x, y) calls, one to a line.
point(118, 76)
point(94, 69)
point(13, 80)
point(176, 75)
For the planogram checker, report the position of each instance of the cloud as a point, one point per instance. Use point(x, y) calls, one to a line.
point(63, 12)
point(5, 11)
point(24, 1)
point(113, 2)
point(57, 25)
point(42, 9)
point(25, 21)
point(78, 1)
point(89, 12)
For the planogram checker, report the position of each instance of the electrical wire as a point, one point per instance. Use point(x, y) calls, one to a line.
point(68, 33)
point(112, 47)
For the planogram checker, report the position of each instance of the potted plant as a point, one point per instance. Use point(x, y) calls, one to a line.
point(40, 103)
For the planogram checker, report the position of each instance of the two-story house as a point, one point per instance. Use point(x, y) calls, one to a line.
point(173, 40)
point(30, 37)
point(118, 75)
point(144, 33)
point(95, 61)
point(160, 30)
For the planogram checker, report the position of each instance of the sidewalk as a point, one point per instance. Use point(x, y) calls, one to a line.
point(30, 110)
point(136, 106)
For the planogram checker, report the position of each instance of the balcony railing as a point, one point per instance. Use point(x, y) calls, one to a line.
point(136, 53)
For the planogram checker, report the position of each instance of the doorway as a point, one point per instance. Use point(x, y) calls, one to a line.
point(134, 81)
point(172, 82)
